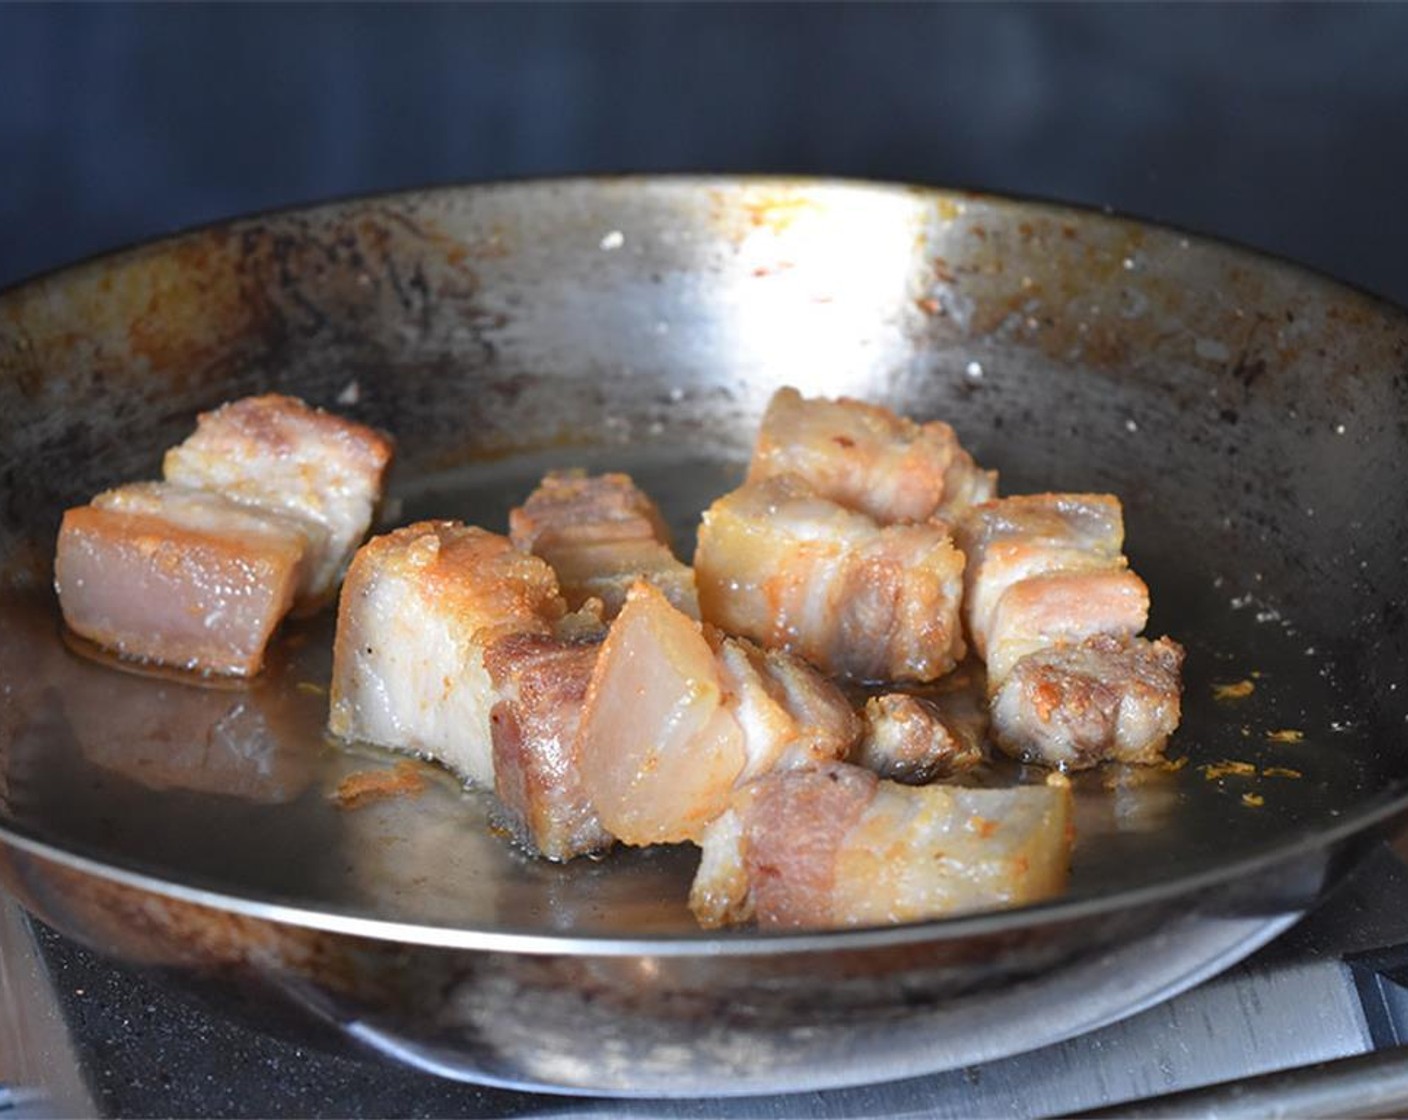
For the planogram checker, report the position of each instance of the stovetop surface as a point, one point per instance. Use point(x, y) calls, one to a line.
point(122, 1044)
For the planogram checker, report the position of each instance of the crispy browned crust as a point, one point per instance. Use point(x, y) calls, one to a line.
point(907, 739)
point(1075, 695)
point(278, 424)
point(468, 572)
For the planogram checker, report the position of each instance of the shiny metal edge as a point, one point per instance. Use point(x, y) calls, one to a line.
point(752, 943)
point(1372, 1084)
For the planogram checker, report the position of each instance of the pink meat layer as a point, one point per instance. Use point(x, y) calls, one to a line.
point(154, 590)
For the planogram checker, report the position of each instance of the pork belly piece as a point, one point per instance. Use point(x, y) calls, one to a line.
point(791, 570)
point(834, 845)
point(789, 714)
point(868, 459)
point(275, 452)
point(177, 576)
point(601, 533)
point(1061, 608)
point(1008, 540)
point(541, 683)
point(1054, 610)
point(418, 610)
point(1076, 705)
point(677, 715)
point(915, 741)
point(572, 507)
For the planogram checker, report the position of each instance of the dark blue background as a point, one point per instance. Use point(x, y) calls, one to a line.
point(1285, 126)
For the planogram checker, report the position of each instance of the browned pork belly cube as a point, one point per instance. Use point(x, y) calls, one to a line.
point(1053, 608)
point(1074, 706)
point(677, 715)
point(791, 570)
point(601, 533)
point(177, 577)
point(834, 845)
point(419, 608)
point(868, 459)
point(276, 452)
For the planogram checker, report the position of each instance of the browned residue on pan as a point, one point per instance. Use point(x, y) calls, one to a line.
point(362, 787)
point(1237, 690)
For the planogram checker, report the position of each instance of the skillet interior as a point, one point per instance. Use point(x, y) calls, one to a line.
point(1253, 417)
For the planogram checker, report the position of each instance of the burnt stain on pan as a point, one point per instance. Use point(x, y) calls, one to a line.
point(362, 293)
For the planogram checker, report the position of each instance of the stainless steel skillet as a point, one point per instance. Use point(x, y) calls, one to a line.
point(1253, 417)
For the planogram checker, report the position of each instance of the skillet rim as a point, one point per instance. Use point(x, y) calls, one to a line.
point(1049, 203)
point(1374, 811)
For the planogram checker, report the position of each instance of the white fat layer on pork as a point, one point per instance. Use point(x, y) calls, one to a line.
point(789, 714)
point(719, 894)
point(601, 533)
point(419, 608)
point(1009, 540)
point(414, 681)
point(207, 511)
point(657, 751)
point(924, 851)
point(1058, 608)
point(202, 589)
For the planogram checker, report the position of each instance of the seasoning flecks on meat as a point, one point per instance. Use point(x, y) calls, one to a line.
point(275, 452)
point(176, 576)
point(419, 608)
point(1075, 705)
point(601, 533)
point(834, 845)
point(791, 570)
point(677, 715)
point(1053, 608)
point(869, 459)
